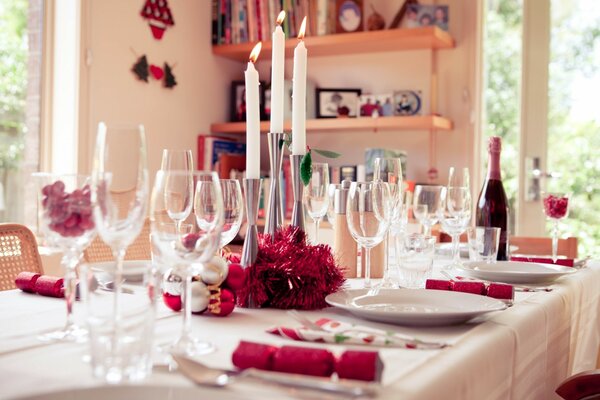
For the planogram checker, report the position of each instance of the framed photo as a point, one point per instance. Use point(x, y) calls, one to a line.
point(333, 103)
point(265, 110)
point(418, 15)
point(349, 15)
point(376, 105)
point(407, 102)
point(238, 100)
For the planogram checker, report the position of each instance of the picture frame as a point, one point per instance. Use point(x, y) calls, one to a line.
point(238, 103)
point(337, 103)
point(407, 102)
point(376, 105)
point(419, 15)
point(349, 16)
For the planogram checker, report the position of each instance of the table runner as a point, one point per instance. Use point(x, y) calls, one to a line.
point(522, 352)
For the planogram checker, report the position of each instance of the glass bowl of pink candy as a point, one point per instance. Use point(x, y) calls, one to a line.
point(556, 205)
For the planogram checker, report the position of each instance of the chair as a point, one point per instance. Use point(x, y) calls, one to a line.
point(543, 246)
point(140, 249)
point(18, 253)
point(583, 386)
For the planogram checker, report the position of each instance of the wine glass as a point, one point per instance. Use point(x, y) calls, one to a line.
point(556, 207)
point(233, 204)
point(427, 204)
point(368, 214)
point(185, 247)
point(181, 160)
point(120, 186)
point(455, 214)
point(65, 217)
point(389, 170)
point(316, 196)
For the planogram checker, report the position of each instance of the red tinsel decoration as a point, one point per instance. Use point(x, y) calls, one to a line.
point(290, 273)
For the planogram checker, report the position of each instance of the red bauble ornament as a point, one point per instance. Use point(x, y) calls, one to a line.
point(172, 301)
point(235, 277)
point(222, 304)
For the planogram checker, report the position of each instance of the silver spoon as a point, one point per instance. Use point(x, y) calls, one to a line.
point(206, 376)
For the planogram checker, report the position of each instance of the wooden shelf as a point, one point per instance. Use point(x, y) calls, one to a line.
point(418, 122)
point(350, 43)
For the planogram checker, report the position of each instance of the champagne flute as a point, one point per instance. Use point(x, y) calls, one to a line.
point(179, 208)
point(368, 213)
point(65, 216)
point(389, 170)
point(188, 247)
point(233, 204)
point(120, 186)
point(455, 214)
point(427, 204)
point(316, 196)
point(556, 207)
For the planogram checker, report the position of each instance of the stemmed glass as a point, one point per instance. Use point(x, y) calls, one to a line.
point(455, 214)
point(427, 204)
point(316, 196)
point(389, 170)
point(65, 214)
point(556, 207)
point(233, 204)
point(187, 247)
point(179, 160)
point(368, 213)
point(120, 187)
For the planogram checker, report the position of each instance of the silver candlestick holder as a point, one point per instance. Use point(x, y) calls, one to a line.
point(297, 187)
point(250, 250)
point(275, 207)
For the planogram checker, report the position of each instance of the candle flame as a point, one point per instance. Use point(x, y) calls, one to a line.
point(302, 29)
point(255, 52)
point(280, 17)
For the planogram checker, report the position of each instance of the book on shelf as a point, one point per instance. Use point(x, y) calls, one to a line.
point(210, 147)
point(243, 21)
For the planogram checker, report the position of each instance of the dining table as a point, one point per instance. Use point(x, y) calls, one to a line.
point(521, 352)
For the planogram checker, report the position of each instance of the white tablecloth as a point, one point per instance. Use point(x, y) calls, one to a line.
point(523, 352)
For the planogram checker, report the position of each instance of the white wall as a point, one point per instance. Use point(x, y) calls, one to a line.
point(173, 118)
point(113, 31)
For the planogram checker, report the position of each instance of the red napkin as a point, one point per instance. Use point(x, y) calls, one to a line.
point(45, 285)
point(500, 291)
point(565, 262)
point(362, 365)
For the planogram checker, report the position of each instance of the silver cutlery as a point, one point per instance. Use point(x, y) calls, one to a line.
point(207, 376)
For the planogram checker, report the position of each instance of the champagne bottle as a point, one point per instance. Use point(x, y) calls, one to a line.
point(492, 206)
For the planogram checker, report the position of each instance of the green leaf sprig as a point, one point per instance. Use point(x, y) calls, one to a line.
point(306, 162)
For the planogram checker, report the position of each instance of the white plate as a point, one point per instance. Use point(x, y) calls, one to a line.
point(123, 392)
point(515, 271)
point(133, 271)
point(417, 307)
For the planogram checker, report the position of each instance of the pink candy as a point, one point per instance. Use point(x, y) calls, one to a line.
point(70, 214)
point(556, 207)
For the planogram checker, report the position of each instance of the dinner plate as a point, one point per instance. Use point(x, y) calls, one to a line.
point(130, 392)
point(133, 271)
point(515, 271)
point(416, 307)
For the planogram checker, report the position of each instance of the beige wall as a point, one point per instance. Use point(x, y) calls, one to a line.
point(113, 31)
point(173, 118)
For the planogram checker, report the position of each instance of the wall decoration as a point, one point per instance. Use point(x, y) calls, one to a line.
point(407, 102)
point(143, 70)
point(381, 105)
point(375, 22)
point(349, 16)
point(418, 15)
point(158, 15)
point(333, 103)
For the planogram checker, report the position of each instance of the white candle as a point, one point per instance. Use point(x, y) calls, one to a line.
point(252, 118)
point(277, 71)
point(299, 97)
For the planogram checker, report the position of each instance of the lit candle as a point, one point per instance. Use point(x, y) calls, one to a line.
point(252, 117)
point(277, 69)
point(299, 96)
